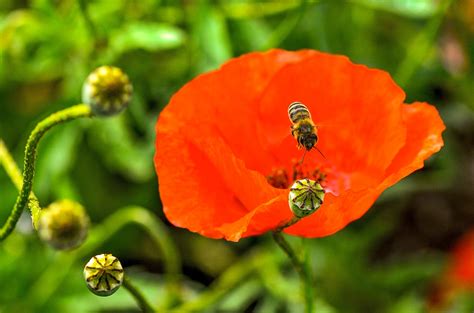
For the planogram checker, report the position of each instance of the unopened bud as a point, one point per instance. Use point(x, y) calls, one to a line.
point(103, 274)
point(63, 224)
point(305, 197)
point(107, 90)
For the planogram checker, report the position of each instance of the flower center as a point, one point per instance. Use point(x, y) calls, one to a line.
point(280, 178)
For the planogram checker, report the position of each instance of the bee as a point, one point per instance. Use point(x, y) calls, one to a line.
point(303, 128)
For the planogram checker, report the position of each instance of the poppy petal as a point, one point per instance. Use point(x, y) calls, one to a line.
point(424, 129)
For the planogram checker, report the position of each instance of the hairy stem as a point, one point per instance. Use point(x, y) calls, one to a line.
point(22, 200)
point(301, 267)
point(12, 170)
point(137, 295)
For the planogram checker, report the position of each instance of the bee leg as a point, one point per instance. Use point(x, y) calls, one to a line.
point(302, 159)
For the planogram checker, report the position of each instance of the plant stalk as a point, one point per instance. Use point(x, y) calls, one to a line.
point(301, 267)
point(81, 110)
point(137, 295)
point(12, 170)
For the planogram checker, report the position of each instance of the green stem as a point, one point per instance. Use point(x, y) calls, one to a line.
point(300, 267)
point(65, 115)
point(137, 295)
point(12, 170)
point(308, 279)
point(285, 246)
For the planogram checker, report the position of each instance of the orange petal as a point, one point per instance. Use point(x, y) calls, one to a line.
point(424, 128)
point(203, 185)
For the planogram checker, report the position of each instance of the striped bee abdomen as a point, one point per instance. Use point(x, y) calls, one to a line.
point(298, 111)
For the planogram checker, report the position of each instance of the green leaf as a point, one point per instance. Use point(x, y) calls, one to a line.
point(244, 10)
point(410, 8)
point(210, 38)
point(148, 36)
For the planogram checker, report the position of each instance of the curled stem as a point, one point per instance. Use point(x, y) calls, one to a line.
point(12, 170)
point(137, 295)
point(41, 128)
point(302, 267)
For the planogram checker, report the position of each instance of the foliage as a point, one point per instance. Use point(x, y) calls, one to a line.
point(385, 262)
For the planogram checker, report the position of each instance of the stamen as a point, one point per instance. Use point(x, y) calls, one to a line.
point(301, 171)
point(278, 178)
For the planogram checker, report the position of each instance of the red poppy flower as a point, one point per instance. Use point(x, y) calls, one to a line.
point(223, 143)
point(461, 268)
point(457, 278)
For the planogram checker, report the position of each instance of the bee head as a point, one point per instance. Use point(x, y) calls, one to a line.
point(309, 141)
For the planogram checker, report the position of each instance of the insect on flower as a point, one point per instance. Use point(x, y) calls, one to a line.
point(303, 128)
point(223, 140)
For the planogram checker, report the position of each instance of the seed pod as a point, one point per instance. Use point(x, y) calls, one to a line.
point(305, 197)
point(63, 224)
point(103, 274)
point(107, 90)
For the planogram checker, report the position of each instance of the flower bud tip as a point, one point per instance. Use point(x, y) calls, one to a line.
point(305, 197)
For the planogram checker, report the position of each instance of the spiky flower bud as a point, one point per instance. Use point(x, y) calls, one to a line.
point(103, 274)
point(305, 197)
point(63, 224)
point(107, 90)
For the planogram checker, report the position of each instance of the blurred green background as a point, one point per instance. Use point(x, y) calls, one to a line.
point(388, 261)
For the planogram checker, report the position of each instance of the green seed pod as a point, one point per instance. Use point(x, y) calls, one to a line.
point(63, 224)
point(107, 90)
point(103, 274)
point(305, 197)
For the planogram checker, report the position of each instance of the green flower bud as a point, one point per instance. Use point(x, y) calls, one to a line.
point(305, 197)
point(63, 224)
point(107, 90)
point(103, 274)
